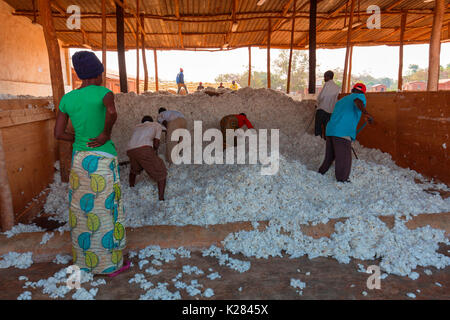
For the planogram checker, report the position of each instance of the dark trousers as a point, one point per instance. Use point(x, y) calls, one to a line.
point(322, 118)
point(338, 149)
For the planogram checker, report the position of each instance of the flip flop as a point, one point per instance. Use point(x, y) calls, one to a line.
point(125, 266)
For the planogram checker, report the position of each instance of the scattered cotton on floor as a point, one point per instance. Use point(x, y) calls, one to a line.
point(17, 260)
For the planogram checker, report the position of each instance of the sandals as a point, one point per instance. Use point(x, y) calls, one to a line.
point(125, 267)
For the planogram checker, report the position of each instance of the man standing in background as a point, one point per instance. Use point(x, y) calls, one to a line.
point(180, 81)
point(326, 100)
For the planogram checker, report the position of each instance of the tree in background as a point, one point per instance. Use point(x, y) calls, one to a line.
point(299, 70)
point(413, 68)
point(258, 80)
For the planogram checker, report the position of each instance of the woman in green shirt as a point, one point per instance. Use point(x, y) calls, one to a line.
point(96, 213)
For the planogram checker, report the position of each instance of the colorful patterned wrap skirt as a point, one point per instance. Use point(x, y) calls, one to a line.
point(96, 213)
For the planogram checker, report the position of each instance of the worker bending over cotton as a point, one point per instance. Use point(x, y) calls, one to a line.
point(172, 120)
point(233, 121)
point(326, 100)
point(341, 130)
point(143, 153)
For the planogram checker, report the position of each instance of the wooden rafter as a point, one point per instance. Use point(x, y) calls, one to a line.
point(213, 13)
point(223, 17)
point(55, 4)
point(394, 4)
point(177, 15)
point(331, 15)
point(233, 21)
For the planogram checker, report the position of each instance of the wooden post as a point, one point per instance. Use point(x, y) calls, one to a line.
point(121, 48)
point(288, 86)
point(34, 12)
point(6, 205)
point(68, 69)
point(144, 58)
point(138, 89)
point(349, 77)
point(104, 39)
point(56, 76)
point(347, 52)
point(155, 55)
point(312, 46)
point(435, 46)
point(249, 65)
point(269, 33)
point(400, 55)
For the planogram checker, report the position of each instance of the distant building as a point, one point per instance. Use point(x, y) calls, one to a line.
point(378, 88)
point(444, 84)
point(319, 86)
point(112, 81)
point(415, 86)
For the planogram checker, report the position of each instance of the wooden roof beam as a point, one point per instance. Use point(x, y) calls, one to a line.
point(233, 27)
point(324, 21)
point(177, 15)
point(223, 17)
point(393, 5)
point(132, 15)
point(55, 4)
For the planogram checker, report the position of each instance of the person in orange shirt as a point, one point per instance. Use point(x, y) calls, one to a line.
point(234, 121)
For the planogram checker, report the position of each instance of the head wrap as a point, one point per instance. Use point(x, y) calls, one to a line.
point(87, 65)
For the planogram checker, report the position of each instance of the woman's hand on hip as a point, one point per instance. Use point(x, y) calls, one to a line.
point(99, 141)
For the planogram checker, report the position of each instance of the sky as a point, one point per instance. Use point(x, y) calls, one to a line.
point(379, 61)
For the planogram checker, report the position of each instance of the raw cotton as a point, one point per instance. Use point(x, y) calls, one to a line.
point(56, 285)
point(265, 108)
point(297, 194)
point(214, 276)
point(192, 270)
point(62, 259)
point(366, 237)
point(225, 259)
point(47, 236)
point(298, 284)
point(17, 260)
point(26, 295)
point(22, 228)
point(208, 293)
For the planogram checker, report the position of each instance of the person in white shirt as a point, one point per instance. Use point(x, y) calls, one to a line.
point(326, 100)
point(172, 120)
point(143, 153)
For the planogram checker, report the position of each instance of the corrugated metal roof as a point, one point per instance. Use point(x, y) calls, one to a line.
point(208, 23)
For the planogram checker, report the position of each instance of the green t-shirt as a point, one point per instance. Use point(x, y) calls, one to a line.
point(87, 112)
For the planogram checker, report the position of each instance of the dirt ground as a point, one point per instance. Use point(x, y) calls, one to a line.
point(266, 279)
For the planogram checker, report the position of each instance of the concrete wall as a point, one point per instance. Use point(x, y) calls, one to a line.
point(414, 127)
point(23, 56)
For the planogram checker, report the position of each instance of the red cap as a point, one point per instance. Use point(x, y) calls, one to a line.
point(360, 86)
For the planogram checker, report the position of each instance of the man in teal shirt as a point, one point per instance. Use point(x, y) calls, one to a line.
point(341, 131)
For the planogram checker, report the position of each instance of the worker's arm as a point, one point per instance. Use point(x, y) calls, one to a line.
point(157, 137)
point(60, 128)
point(110, 119)
point(360, 105)
point(155, 144)
point(248, 123)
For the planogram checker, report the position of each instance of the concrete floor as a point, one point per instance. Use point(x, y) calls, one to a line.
point(266, 279)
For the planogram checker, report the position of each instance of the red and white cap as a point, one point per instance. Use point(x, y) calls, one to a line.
point(360, 86)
